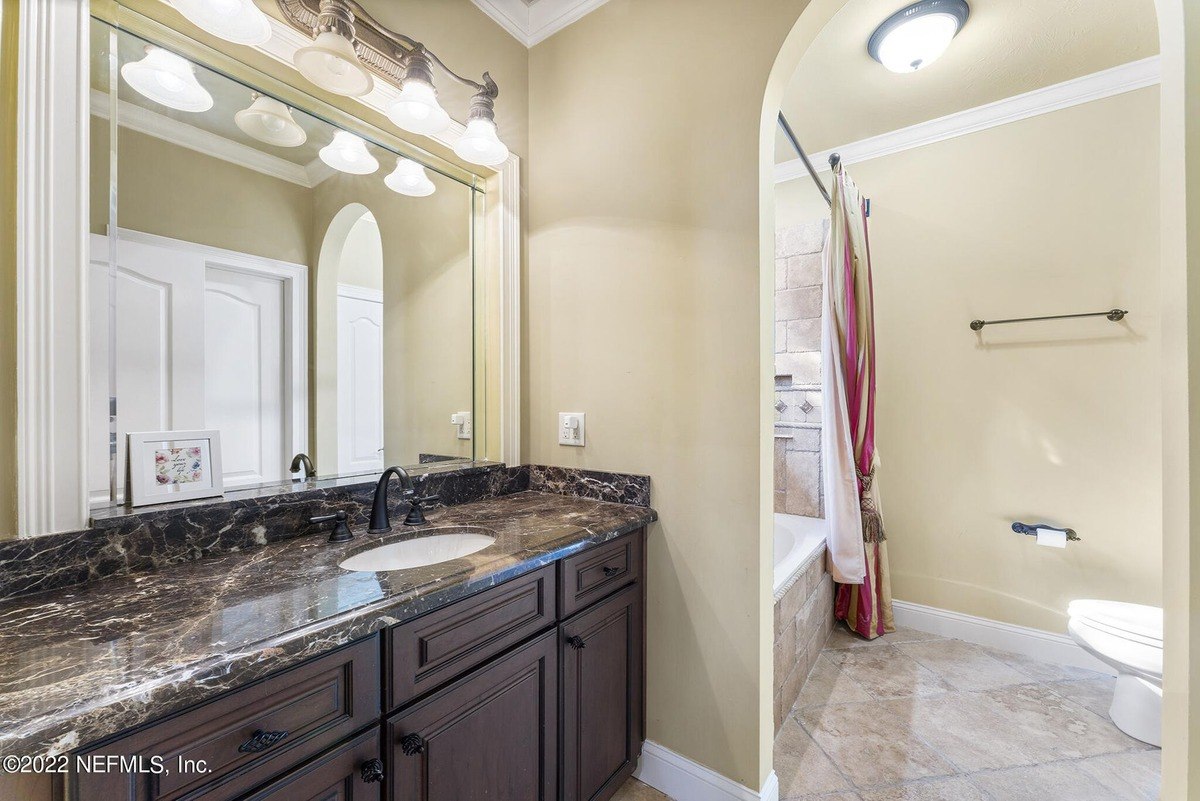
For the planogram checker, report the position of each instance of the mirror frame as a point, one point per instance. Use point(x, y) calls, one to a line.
point(51, 251)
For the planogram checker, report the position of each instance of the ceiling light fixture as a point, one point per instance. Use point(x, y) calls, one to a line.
point(409, 178)
point(168, 79)
point(270, 121)
point(348, 153)
point(350, 41)
point(238, 21)
point(916, 36)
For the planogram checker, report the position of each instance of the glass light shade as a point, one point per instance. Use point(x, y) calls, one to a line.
point(331, 63)
point(409, 178)
point(270, 121)
point(417, 109)
point(168, 79)
point(348, 153)
point(480, 144)
point(918, 42)
point(238, 21)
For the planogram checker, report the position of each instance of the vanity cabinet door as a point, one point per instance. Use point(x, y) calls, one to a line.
point(490, 736)
point(602, 692)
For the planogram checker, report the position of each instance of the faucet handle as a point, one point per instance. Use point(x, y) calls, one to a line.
point(416, 515)
point(341, 528)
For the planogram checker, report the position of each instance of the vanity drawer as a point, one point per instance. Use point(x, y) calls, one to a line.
point(441, 645)
point(351, 772)
point(593, 574)
point(246, 736)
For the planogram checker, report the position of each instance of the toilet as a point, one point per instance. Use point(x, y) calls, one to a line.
point(1129, 638)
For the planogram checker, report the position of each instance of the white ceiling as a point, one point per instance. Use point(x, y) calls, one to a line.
point(839, 94)
point(531, 21)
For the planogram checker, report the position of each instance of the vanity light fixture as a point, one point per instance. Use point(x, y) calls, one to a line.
point(409, 178)
point(237, 21)
point(480, 143)
point(169, 79)
point(916, 36)
point(348, 153)
point(417, 109)
point(270, 121)
point(344, 27)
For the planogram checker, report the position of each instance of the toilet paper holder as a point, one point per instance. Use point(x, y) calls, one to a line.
point(1031, 530)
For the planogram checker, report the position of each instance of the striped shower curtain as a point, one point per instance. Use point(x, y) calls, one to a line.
point(857, 547)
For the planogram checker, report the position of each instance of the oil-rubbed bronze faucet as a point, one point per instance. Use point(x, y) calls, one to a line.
point(302, 458)
point(380, 521)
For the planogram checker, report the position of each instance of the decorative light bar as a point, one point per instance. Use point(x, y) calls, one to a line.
point(350, 48)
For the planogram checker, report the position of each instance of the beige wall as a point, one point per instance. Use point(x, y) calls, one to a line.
point(8, 284)
point(180, 193)
point(362, 256)
point(1056, 421)
point(644, 310)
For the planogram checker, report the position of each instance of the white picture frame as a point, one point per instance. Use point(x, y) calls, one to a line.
point(170, 466)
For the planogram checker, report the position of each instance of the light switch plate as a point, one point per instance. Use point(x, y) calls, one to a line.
point(462, 424)
point(571, 426)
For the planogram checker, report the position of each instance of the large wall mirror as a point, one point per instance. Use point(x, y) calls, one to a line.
point(299, 286)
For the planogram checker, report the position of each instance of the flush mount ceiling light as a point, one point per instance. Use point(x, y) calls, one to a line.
point(168, 79)
point(409, 178)
point(350, 44)
point(270, 121)
point(348, 153)
point(916, 36)
point(238, 21)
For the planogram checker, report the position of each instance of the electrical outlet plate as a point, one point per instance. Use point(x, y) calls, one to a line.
point(462, 424)
point(571, 429)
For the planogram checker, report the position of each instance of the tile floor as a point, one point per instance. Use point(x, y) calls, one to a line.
point(916, 717)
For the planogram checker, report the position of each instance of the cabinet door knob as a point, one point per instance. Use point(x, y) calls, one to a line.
point(372, 771)
point(576, 642)
point(609, 572)
point(261, 741)
point(412, 744)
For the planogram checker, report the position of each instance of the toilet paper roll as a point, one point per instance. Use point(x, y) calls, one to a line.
point(1052, 538)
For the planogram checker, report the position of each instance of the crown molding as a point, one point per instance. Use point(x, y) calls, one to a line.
point(160, 126)
point(1097, 86)
point(535, 21)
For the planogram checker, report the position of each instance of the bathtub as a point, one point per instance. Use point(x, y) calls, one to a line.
point(798, 541)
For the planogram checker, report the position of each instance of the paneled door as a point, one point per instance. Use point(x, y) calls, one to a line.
point(203, 338)
point(360, 379)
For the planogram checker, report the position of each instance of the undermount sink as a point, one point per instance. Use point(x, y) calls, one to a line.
point(436, 545)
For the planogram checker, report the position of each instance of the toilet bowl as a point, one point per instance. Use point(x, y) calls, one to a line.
point(1129, 638)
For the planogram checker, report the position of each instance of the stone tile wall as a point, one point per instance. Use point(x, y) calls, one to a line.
point(803, 621)
point(798, 369)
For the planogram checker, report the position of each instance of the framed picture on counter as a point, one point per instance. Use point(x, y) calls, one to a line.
point(169, 466)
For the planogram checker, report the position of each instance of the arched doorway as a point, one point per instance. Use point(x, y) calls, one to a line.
point(1179, 560)
point(349, 345)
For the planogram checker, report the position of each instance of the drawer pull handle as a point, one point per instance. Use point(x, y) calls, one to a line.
point(261, 741)
point(576, 642)
point(372, 771)
point(609, 572)
point(412, 744)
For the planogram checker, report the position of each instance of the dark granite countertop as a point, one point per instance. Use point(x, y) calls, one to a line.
point(82, 663)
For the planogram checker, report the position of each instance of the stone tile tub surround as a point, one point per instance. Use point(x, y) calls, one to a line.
point(123, 541)
point(798, 488)
point(79, 664)
point(803, 622)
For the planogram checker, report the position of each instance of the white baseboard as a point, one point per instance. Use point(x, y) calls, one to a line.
point(1046, 646)
point(681, 779)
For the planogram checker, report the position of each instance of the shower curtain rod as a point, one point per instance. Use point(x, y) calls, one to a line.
point(833, 160)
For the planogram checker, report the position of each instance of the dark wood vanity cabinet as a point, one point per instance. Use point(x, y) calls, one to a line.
point(531, 690)
point(491, 735)
point(602, 696)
